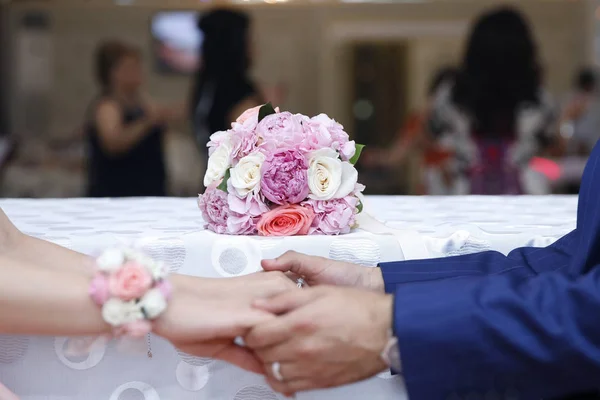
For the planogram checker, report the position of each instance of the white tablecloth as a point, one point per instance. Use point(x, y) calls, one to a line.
point(171, 229)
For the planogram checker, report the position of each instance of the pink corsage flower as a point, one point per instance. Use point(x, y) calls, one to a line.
point(130, 282)
point(99, 291)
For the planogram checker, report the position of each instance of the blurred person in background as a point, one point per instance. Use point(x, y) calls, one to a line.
point(495, 117)
point(580, 119)
point(223, 89)
point(124, 130)
point(414, 135)
point(579, 132)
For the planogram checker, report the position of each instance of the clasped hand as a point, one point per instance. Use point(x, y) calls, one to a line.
point(319, 337)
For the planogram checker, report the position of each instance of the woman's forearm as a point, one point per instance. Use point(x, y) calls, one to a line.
point(47, 255)
point(41, 301)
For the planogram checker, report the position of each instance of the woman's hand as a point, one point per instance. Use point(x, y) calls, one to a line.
point(207, 327)
point(248, 287)
point(206, 315)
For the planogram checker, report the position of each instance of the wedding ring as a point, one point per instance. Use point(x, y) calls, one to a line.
point(300, 282)
point(276, 370)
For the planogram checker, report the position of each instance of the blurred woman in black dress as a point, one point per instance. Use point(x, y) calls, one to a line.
point(125, 132)
point(223, 89)
point(495, 116)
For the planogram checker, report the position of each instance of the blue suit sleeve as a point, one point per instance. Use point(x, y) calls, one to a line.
point(521, 262)
point(530, 338)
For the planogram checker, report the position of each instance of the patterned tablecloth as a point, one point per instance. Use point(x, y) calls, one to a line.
point(171, 229)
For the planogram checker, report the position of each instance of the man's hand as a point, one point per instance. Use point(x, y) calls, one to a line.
point(322, 271)
point(328, 337)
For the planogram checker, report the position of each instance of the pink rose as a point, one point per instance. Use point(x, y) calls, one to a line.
point(137, 329)
point(282, 130)
point(251, 113)
point(285, 177)
point(130, 282)
point(286, 221)
point(333, 217)
point(99, 289)
point(215, 209)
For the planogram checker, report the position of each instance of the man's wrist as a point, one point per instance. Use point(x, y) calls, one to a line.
point(375, 280)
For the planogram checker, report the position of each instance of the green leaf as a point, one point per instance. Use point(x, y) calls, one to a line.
point(359, 149)
point(265, 110)
point(359, 206)
point(223, 185)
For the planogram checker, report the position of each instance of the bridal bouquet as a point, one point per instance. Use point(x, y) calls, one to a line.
point(281, 174)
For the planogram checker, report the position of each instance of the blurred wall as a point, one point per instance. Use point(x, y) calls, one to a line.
point(306, 48)
point(292, 43)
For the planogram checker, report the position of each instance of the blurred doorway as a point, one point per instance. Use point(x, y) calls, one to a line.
point(398, 58)
point(378, 102)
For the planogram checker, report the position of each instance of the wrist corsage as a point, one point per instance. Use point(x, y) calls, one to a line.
point(132, 289)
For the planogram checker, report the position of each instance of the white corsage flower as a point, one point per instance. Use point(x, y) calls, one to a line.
point(158, 269)
point(324, 174)
point(218, 163)
point(245, 176)
point(110, 260)
point(153, 303)
point(117, 312)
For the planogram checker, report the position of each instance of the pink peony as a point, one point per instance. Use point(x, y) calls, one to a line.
point(286, 221)
point(253, 204)
point(282, 130)
point(333, 217)
point(215, 209)
point(316, 136)
point(99, 289)
point(244, 141)
point(285, 177)
point(340, 141)
point(221, 218)
point(239, 224)
point(216, 139)
point(130, 282)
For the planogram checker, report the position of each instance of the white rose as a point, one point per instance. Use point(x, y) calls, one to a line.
point(324, 174)
point(218, 163)
point(116, 312)
point(245, 176)
point(110, 260)
point(153, 303)
point(349, 180)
